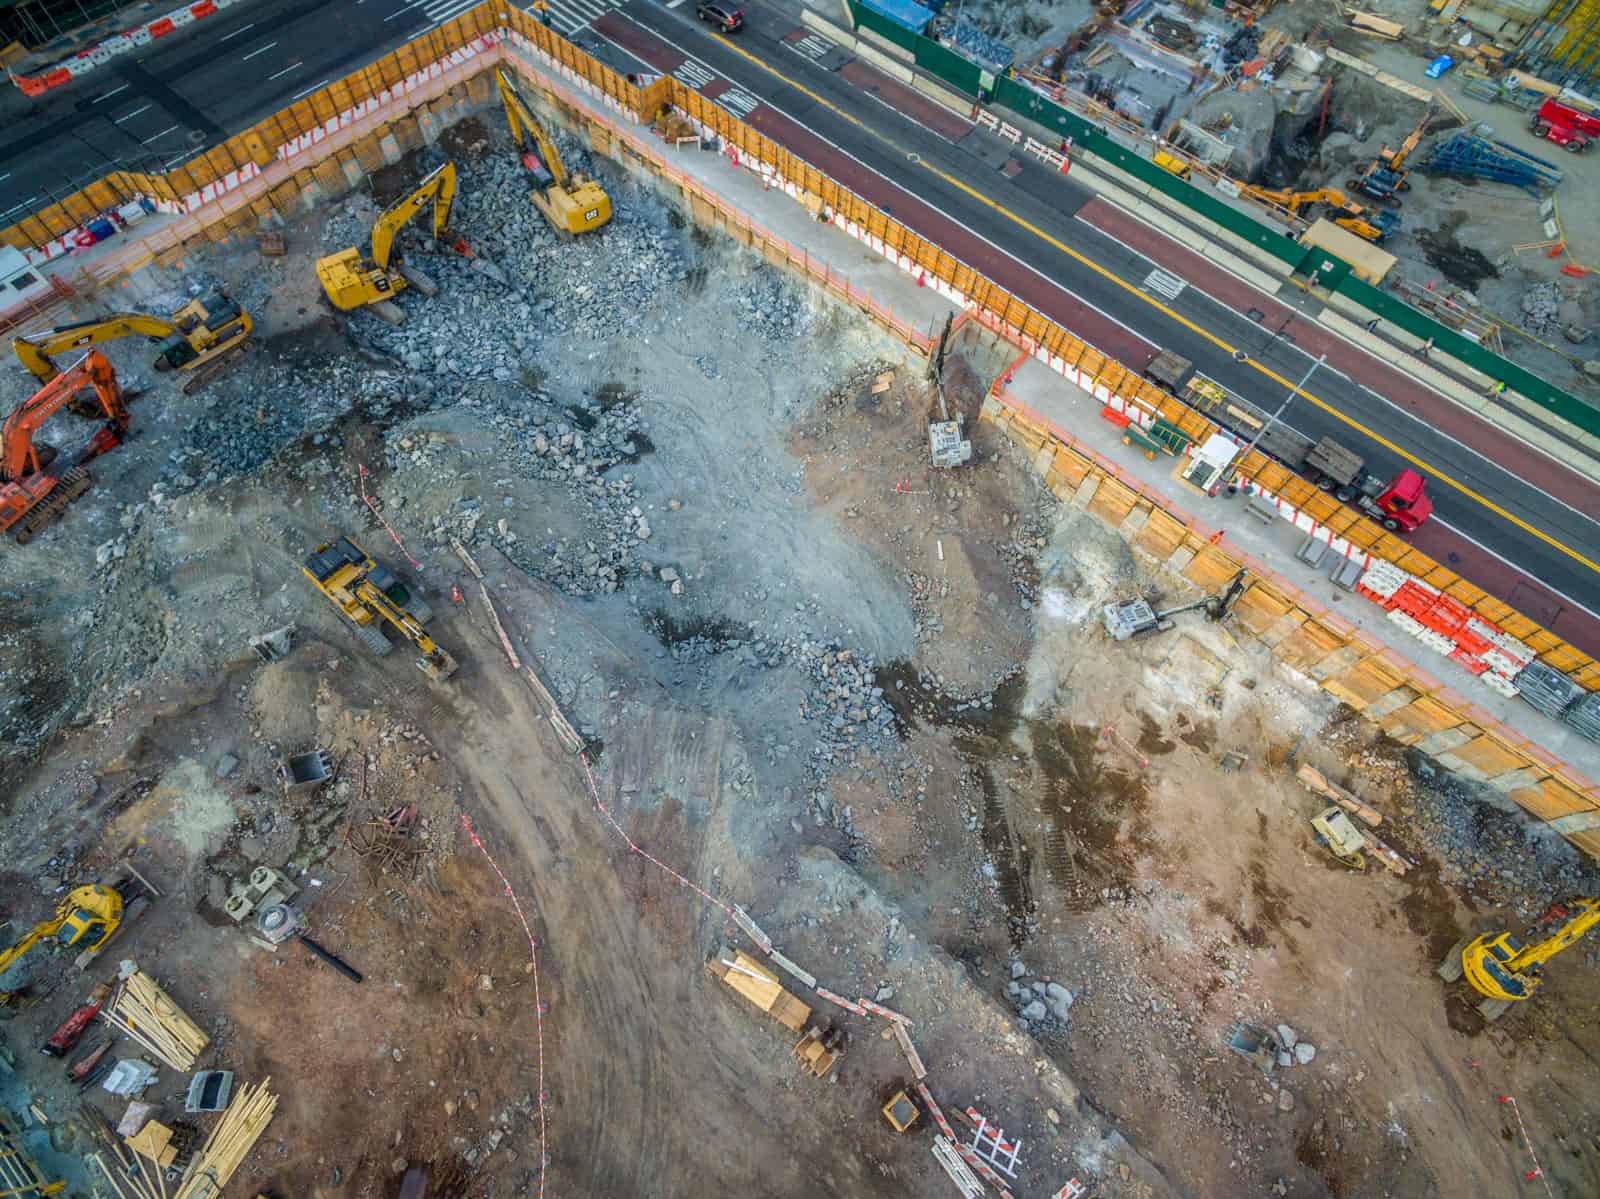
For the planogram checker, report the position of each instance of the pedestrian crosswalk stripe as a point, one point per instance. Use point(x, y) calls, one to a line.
point(740, 104)
point(569, 16)
point(440, 11)
point(1164, 284)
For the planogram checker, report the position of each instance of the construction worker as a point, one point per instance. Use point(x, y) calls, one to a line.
point(1496, 389)
point(542, 8)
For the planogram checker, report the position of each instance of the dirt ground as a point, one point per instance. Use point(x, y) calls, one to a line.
point(870, 703)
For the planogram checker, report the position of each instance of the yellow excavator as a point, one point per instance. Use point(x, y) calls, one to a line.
point(202, 337)
point(1386, 175)
point(371, 595)
point(572, 203)
point(371, 276)
point(1342, 210)
point(85, 919)
point(1506, 969)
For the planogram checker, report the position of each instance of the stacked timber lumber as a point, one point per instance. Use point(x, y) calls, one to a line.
point(230, 1141)
point(146, 1013)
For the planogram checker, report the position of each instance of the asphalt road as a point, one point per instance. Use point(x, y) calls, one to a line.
point(153, 108)
point(1026, 229)
point(1521, 532)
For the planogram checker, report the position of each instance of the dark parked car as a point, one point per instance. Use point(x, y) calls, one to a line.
point(724, 18)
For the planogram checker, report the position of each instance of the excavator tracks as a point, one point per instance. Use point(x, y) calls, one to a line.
point(202, 375)
point(73, 484)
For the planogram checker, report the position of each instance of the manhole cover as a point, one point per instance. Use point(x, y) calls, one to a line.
point(1256, 314)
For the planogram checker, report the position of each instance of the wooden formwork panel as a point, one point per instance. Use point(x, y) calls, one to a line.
point(1261, 606)
point(1211, 569)
point(1421, 717)
point(1587, 840)
point(1364, 683)
point(1551, 799)
point(1308, 644)
point(1067, 469)
point(1162, 533)
point(1491, 755)
point(368, 152)
point(1112, 501)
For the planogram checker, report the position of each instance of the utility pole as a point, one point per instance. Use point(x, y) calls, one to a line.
point(1271, 420)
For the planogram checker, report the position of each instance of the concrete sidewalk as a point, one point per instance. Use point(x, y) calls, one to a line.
point(1078, 414)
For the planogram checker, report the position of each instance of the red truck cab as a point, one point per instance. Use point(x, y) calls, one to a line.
point(1404, 504)
point(1570, 128)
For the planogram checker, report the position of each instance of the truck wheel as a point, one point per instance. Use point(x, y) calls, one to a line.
point(1575, 146)
point(1391, 524)
point(1344, 494)
point(1540, 129)
point(1325, 484)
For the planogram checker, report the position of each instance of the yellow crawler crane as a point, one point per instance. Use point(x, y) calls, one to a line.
point(371, 276)
point(371, 595)
point(202, 337)
point(572, 203)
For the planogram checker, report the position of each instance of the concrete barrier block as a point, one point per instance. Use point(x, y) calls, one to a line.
point(954, 101)
point(353, 173)
point(1442, 742)
point(428, 125)
point(390, 149)
point(1133, 523)
point(1391, 702)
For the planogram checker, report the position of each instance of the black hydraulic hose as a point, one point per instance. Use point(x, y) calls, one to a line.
point(339, 964)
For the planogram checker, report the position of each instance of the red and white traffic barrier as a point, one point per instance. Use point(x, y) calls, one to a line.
point(101, 53)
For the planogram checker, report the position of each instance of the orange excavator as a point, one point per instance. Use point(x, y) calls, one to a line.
point(36, 482)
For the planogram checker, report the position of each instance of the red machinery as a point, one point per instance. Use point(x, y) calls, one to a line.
point(1570, 128)
point(71, 1031)
point(36, 483)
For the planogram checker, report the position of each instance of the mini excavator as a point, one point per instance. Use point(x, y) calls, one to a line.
point(202, 338)
point(86, 920)
point(572, 203)
point(36, 482)
point(1506, 969)
point(371, 595)
point(371, 276)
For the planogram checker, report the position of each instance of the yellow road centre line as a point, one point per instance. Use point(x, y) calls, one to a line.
point(1262, 368)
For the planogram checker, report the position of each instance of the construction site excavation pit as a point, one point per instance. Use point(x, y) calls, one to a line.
point(728, 649)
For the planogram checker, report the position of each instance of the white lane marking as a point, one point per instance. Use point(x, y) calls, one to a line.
point(158, 136)
point(1085, 302)
point(403, 11)
point(1389, 404)
point(294, 66)
point(674, 3)
point(1164, 283)
point(1521, 570)
point(133, 114)
point(174, 161)
point(238, 31)
point(4, 177)
point(262, 50)
point(114, 91)
point(309, 90)
point(14, 207)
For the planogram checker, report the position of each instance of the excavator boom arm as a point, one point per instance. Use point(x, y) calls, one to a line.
point(1581, 916)
point(35, 350)
point(439, 189)
point(16, 434)
point(520, 117)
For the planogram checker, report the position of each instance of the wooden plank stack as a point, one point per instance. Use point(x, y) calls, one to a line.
point(230, 1141)
point(147, 1014)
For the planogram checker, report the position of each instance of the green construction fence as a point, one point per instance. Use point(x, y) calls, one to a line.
point(966, 76)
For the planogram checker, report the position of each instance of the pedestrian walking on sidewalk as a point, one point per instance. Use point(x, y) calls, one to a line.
point(1372, 325)
point(1427, 348)
point(1496, 389)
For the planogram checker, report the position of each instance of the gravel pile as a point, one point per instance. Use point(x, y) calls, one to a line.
point(1504, 855)
point(1043, 1006)
point(573, 446)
